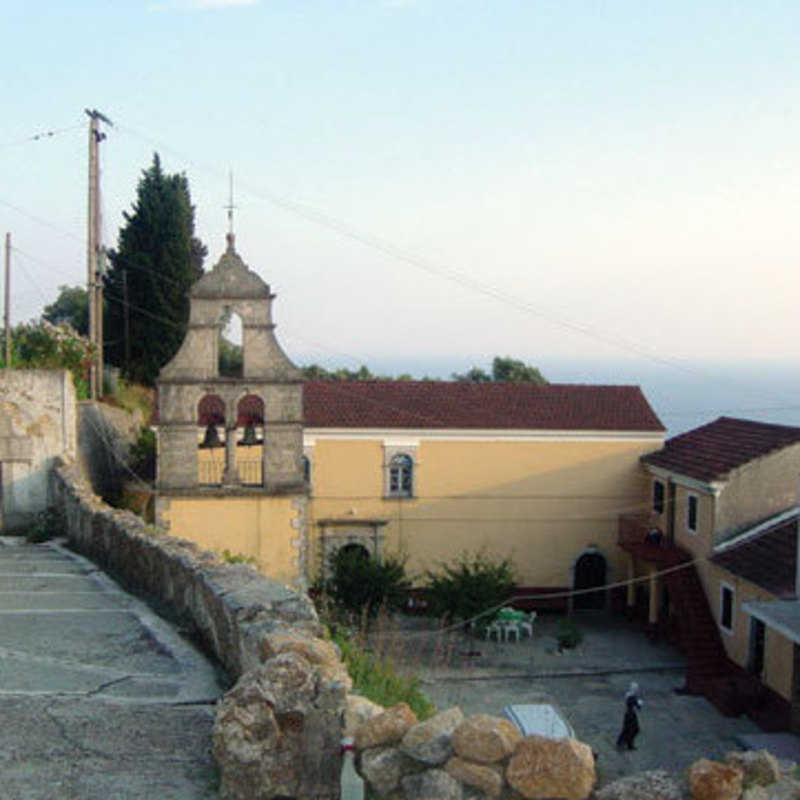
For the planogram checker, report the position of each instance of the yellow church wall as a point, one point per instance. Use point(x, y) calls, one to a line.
point(541, 502)
point(258, 527)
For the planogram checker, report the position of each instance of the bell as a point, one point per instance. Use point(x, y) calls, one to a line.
point(211, 438)
point(249, 435)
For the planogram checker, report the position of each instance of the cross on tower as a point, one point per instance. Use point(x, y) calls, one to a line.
point(230, 207)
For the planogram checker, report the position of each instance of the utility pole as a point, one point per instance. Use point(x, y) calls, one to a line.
point(94, 254)
point(7, 317)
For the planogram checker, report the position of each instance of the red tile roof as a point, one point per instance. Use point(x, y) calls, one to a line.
point(459, 405)
point(768, 560)
point(711, 451)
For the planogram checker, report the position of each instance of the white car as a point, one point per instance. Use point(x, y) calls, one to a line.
point(540, 719)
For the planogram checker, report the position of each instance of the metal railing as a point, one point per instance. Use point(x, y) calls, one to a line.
point(250, 471)
point(634, 528)
point(210, 472)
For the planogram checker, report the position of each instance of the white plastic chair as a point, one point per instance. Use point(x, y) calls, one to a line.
point(527, 624)
point(495, 628)
point(511, 628)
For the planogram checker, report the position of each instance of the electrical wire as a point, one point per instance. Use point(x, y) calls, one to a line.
point(40, 136)
point(451, 274)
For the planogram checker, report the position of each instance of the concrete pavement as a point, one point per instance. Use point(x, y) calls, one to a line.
point(100, 699)
point(587, 683)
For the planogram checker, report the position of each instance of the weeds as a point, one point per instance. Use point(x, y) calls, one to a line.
point(567, 634)
point(237, 558)
point(376, 678)
point(46, 525)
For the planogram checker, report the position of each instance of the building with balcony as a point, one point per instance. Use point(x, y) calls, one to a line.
point(715, 559)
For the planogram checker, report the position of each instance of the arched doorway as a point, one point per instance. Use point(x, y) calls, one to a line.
point(590, 571)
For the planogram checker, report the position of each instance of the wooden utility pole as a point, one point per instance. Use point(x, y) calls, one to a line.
point(94, 254)
point(7, 314)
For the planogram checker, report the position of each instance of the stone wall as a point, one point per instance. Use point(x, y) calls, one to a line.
point(278, 730)
point(37, 424)
point(452, 757)
point(231, 606)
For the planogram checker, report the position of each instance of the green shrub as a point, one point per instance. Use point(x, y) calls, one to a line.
point(42, 345)
point(362, 584)
point(377, 679)
point(475, 584)
point(47, 525)
point(567, 634)
point(143, 454)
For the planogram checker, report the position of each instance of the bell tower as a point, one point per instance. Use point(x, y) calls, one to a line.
point(226, 437)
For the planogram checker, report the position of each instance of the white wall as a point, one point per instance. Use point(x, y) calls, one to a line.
point(37, 424)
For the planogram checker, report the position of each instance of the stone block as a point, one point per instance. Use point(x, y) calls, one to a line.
point(433, 784)
point(760, 767)
point(386, 728)
point(711, 780)
point(486, 778)
point(431, 741)
point(485, 738)
point(541, 768)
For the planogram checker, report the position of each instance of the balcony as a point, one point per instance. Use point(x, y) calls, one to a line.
point(642, 537)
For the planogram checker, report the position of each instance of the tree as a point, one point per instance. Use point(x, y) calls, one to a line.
point(504, 370)
point(474, 375)
point(157, 260)
point(71, 306)
point(512, 370)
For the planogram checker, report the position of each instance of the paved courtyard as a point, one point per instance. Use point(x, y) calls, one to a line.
point(587, 683)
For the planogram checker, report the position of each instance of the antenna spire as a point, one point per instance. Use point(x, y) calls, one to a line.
point(230, 207)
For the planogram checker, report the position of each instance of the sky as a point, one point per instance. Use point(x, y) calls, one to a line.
point(428, 183)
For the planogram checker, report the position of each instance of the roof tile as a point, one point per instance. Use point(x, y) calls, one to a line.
point(462, 405)
point(768, 560)
point(711, 451)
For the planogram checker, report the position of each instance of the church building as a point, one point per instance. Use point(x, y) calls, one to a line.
point(284, 471)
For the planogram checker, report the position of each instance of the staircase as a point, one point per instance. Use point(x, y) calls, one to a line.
point(708, 671)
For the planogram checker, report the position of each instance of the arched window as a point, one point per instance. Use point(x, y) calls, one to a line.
point(230, 349)
point(401, 476)
point(250, 417)
point(250, 411)
point(211, 410)
point(211, 416)
point(211, 457)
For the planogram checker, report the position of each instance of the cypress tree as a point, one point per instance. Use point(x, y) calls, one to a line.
point(161, 259)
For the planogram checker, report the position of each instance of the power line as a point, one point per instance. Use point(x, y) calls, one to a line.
point(41, 221)
point(40, 136)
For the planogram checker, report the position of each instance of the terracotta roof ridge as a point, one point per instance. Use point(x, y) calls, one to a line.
point(757, 423)
point(441, 381)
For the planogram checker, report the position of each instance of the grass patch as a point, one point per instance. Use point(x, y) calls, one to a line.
point(237, 558)
point(377, 679)
point(132, 396)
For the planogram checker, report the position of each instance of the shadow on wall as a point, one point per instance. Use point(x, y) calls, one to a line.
point(105, 435)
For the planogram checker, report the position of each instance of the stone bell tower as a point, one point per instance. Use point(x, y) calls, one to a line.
point(230, 441)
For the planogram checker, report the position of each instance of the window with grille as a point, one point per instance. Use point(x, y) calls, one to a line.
point(401, 476)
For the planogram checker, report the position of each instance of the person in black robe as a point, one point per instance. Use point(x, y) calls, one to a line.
point(630, 723)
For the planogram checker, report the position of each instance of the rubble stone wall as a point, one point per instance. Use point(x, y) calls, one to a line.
point(231, 606)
